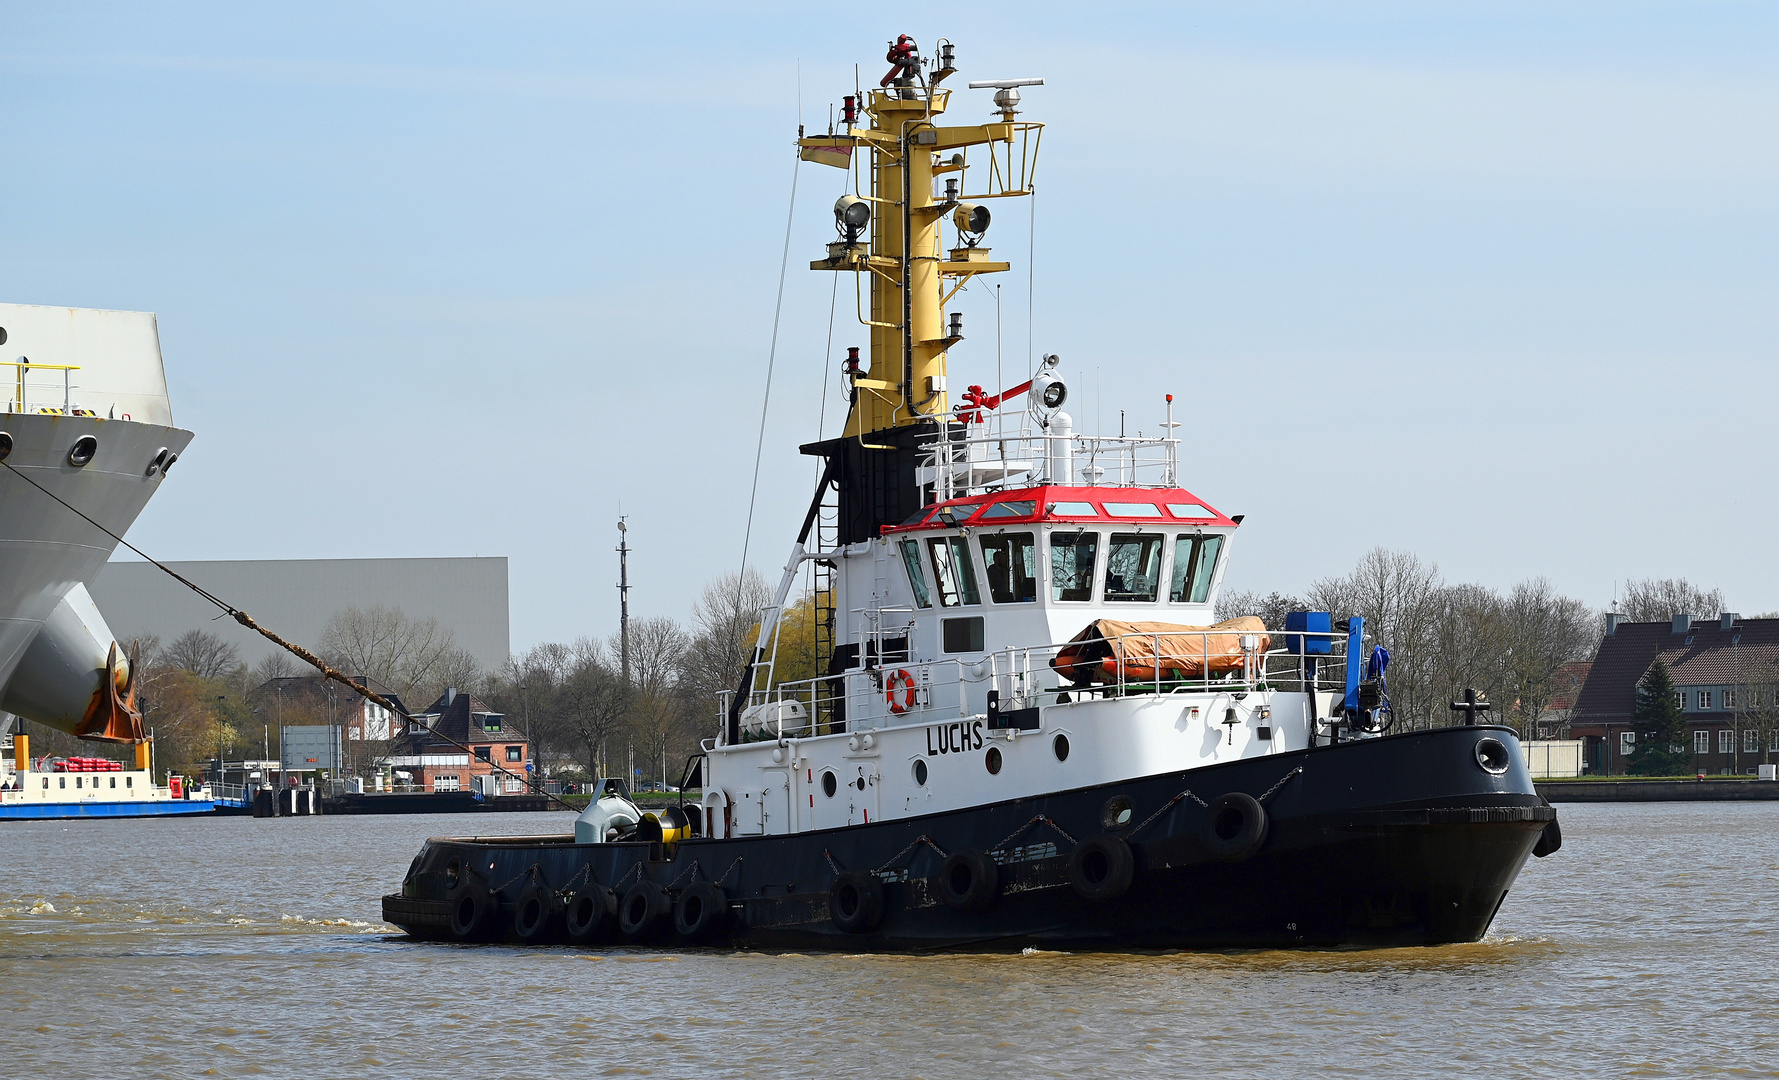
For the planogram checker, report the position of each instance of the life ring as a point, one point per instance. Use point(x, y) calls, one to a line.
point(969, 881)
point(1235, 826)
point(642, 910)
point(855, 902)
point(1101, 868)
point(903, 681)
point(702, 912)
point(590, 913)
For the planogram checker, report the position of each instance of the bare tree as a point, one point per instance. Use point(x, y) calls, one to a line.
point(203, 654)
point(417, 658)
point(593, 701)
point(1546, 632)
point(725, 621)
point(1271, 608)
point(1658, 600)
point(274, 665)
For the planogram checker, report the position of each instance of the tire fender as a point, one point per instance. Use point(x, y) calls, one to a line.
point(472, 910)
point(1235, 826)
point(591, 914)
point(855, 902)
point(536, 913)
point(969, 881)
point(642, 910)
point(1102, 868)
point(702, 913)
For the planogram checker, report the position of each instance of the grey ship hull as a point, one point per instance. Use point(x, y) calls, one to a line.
point(48, 554)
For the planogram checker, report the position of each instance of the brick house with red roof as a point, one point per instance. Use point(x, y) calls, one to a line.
point(431, 749)
point(1725, 672)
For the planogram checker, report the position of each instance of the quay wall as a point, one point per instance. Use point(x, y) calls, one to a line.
point(1710, 790)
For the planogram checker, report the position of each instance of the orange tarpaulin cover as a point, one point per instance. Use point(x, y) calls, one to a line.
point(1186, 651)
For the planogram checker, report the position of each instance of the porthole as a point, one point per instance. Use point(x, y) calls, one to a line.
point(1116, 813)
point(993, 760)
point(5, 446)
point(920, 772)
point(830, 784)
point(1492, 756)
point(1060, 744)
point(83, 450)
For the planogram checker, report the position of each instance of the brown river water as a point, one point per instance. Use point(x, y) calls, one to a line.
point(1648, 946)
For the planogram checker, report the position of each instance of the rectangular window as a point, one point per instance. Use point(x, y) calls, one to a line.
point(1627, 742)
point(515, 753)
point(953, 572)
point(481, 753)
point(130, 781)
point(917, 577)
point(513, 783)
point(1774, 745)
point(446, 783)
point(1729, 698)
point(962, 635)
point(1701, 742)
point(1750, 741)
point(1726, 741)
point(1704, 701)
point(1071, 565)
point(1120, 509)
point(114, 781)
point(1680, 698)
point(61, 781)
point(1010, 561)
point(1133, 568)
point(1195, 564)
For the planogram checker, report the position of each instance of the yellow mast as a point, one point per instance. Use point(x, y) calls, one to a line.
point(911, 275)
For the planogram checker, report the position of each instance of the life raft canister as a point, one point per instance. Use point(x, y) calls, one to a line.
point(904, 683)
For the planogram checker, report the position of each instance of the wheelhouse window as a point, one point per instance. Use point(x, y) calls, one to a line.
point(1010, 561)
point(1133, 567)
point(953, 572)
point(917, 577)
point(1071, 565)
point(1195, 565)
point(1009, 509)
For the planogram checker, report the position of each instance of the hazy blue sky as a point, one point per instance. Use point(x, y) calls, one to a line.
point(1493, 282)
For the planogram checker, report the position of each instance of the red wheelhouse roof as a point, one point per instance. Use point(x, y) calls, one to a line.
point(1049, 502)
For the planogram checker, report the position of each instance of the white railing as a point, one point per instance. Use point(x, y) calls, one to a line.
point(923, 691)
point(978, 460)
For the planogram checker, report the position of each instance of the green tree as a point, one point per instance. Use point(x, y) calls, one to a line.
point(1660, 726)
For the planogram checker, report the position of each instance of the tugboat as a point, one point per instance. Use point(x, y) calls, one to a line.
point(1031, 731)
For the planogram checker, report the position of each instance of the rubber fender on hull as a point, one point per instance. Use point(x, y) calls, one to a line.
point(1550, 841)
point(855, 902)
point(643, 911)
point(591, 914)
point(1102, 868)
point(702, 912)
point(1235, 826)
point(472, 910)
point(535, 913)
point(969, 881)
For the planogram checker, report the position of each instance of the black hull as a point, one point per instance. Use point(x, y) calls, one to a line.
point(1402, 840)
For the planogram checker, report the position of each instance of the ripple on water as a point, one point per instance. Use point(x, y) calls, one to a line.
point(243, 947)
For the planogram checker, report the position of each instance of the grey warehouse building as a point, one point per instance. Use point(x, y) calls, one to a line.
point(297, 597)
